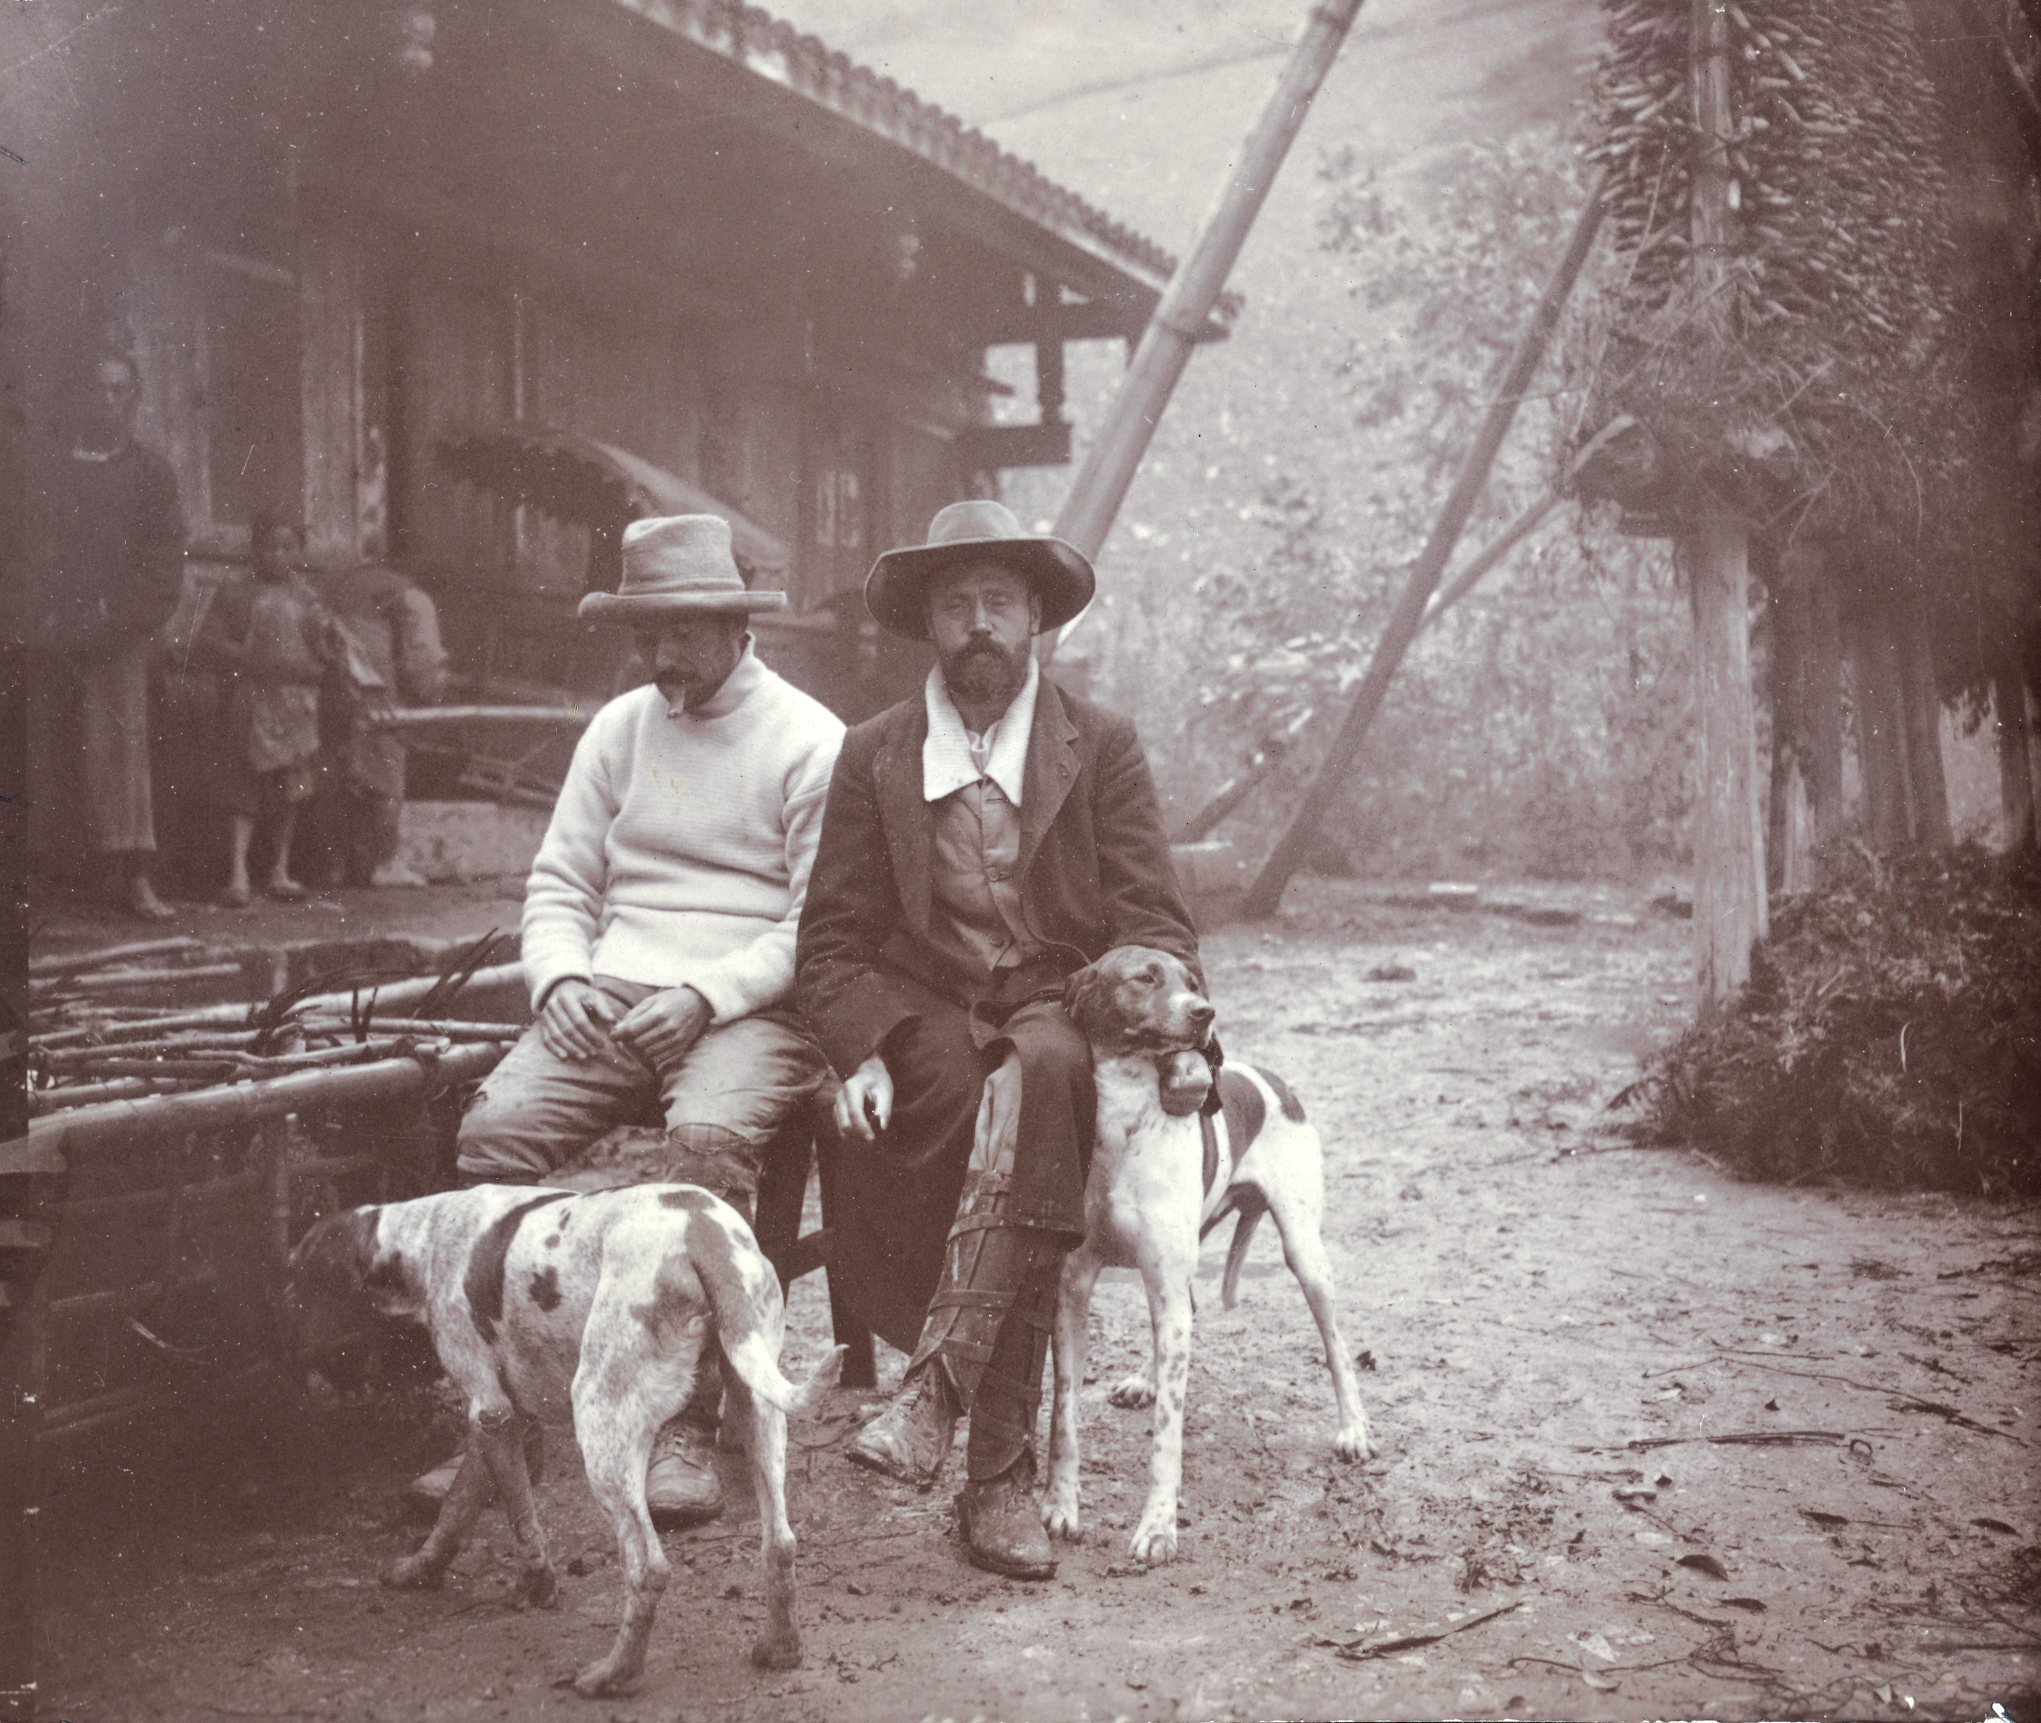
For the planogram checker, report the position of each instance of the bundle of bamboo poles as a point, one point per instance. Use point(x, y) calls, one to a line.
point(83, 1049)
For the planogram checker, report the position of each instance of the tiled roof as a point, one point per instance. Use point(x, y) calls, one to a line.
point(774, 49)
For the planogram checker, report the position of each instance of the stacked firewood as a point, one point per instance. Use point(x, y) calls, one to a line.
point(85, 1046)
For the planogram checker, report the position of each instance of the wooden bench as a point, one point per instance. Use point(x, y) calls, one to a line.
point(808, 1139)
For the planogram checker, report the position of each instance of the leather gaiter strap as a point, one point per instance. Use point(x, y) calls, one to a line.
point(984, 1264)
point(1010, 1390)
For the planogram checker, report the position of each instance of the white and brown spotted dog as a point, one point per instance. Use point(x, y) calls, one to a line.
point(1158, 1184)
point(546, 1304)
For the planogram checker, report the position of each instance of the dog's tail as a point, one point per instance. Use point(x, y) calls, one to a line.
point(744, 1292)
point(752, 1358)
point(809, 1391)
point(1236, 1252)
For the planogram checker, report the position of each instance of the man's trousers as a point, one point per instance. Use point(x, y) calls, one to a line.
point(536, 1112)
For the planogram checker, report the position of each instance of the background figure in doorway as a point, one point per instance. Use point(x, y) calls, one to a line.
point(394, 658)
point(107, 571)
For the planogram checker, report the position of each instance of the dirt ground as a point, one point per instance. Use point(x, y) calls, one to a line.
point(1650, 1442)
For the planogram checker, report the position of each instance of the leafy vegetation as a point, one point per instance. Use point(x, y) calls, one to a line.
point(1539, 726)
point(1891, 1035)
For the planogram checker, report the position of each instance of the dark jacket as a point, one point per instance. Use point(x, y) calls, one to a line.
point(1094, 867)
point(112, 558)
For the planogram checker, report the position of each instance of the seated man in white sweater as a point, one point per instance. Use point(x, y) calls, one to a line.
point(659, 919)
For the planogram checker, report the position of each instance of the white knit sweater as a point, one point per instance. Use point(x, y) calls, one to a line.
point(679, 850)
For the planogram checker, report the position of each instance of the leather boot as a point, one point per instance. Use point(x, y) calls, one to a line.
point(683, 1485)
point(424, 1494)
point(910, 1439)
point(1002, 1523)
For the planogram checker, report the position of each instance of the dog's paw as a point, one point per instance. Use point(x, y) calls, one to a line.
point(1059, 1515)
point(1133, 1392)
point(1154, 1539)
point(537, 1587)
point(607, 1677)
point(777, 1650)
point(1352, 1443)
point(413, 1573)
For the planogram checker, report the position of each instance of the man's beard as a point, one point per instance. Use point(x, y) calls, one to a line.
point(984, 673)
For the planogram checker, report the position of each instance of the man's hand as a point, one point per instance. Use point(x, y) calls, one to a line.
point(998, 1129)
point(663, 1026)
point(576, 1021)
point(864, 1105)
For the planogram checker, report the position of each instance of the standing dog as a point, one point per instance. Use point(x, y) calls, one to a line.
point(1158, 1184)
point(544, 1303)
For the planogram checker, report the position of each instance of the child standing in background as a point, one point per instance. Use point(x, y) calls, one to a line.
point(278, 641)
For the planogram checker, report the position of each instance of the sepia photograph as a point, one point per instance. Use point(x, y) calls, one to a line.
point(1049, 861)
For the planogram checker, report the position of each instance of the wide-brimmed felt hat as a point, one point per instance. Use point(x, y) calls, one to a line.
point(677, 565)
point(896, 589)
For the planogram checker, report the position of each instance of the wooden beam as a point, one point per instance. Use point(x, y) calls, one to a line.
point(1881, 746)
point(1921, 715)
point(995, 448)
point(108, 956)
point(1822, 706)
point(1085, 320)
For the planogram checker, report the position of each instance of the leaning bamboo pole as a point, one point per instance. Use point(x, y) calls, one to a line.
point(425, 717)
point(385, 997)
point(78, 962)
point(1115, 456)
point(1267, 890)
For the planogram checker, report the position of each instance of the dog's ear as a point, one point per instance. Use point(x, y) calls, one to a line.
point(335, 1253)
point(322, 1292)
point(1081, 995)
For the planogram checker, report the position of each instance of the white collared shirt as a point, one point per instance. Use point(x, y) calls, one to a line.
point(952, 758)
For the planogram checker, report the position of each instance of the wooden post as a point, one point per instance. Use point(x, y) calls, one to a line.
point(2015, 743)
point(1821, 685)
point(1921, 718)
point(1409, 616)
point(1786, 861)
point(1881, 748)
point(1729, 866)
point(1729, 869)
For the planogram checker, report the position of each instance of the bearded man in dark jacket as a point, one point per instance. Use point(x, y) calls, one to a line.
point(982, 841)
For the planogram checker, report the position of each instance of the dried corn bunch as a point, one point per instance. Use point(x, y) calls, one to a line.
point(1831, 386)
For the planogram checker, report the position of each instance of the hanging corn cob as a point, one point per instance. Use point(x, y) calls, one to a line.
point(1819, 387)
